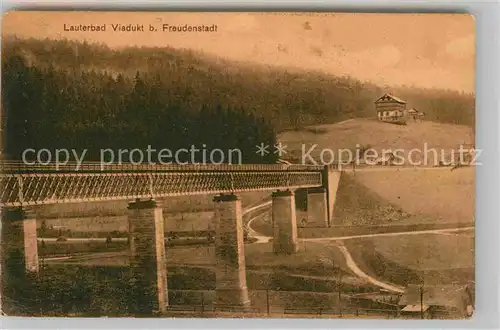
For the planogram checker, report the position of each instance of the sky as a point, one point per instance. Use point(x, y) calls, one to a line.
point(422, 50)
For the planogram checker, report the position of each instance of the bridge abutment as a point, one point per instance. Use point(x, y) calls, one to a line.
point(317, 207)
point(331, 180)
point(19, 240)
point(147, 258)
point(19, 255)
point(284, 222)
point(230, 273)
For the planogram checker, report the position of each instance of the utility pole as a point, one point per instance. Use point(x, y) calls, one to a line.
point(340, 290)
point(267, 301)
point(40, 276)
point(422, 296)
point(202, 302)
point(422, 302)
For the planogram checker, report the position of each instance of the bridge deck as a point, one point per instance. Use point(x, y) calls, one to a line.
point(97, 167)
point(23, 184)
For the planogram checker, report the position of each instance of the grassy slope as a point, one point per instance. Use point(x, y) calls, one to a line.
point(428, 252)
point(415, 259)
point(315, 267)
point(429, 196)
point(392, 195)
point(357, 205)
point(442, 194)
point(181, 213)
point(312, 258)
point(95, 291)
point(378, 135)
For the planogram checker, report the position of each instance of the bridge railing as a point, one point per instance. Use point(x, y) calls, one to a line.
point(25, 184)
point(94, 167)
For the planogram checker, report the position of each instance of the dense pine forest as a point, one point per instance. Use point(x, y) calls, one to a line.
point(50, 105)
point(66, 94)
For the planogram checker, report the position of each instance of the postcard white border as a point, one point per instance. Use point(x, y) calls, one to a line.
point(487, 16)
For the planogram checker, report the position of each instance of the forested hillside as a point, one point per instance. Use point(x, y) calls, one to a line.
point(65, 93)
point(50, 105)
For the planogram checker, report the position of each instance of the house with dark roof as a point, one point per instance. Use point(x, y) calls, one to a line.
point(447, 301)
point(390, 108)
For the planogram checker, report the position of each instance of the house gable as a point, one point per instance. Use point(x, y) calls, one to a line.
point(388, 98)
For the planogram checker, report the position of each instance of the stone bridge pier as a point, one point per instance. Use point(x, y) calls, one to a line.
point(317, 207)
point(230, 271)
point(19, 252)
point(284, 222)
point(19, 240)
point(148, 264)
point(148, 269)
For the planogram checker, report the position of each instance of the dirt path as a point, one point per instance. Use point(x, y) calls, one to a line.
point(345, 252)
point(349, 260)
point(252, 233)
point(344, 121)
point(356, 270)
point(401, 233)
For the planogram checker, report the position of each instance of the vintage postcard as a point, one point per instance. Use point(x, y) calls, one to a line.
point(277, 165)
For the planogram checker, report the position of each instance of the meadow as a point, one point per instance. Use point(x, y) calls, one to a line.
point(181, 213)
point(436, 193)
point(371, 133)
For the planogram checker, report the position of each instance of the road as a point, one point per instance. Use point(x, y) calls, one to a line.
point(81, 239)
point(356, 270)
point(401, 233)
point(252, 233)
point(345, 252)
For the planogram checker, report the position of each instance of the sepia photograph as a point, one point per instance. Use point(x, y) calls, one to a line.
point(237, 165)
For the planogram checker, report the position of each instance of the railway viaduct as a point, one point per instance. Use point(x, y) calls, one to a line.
point(23, 187)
